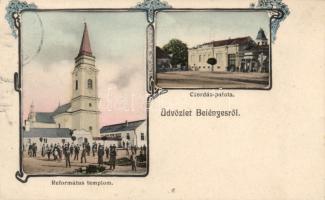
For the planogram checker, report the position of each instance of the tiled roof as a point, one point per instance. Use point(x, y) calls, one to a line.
point(44, 117)
point(62, 109)
point(47, 132)
point(239, 41)
point(47, 117)
point(121, 127)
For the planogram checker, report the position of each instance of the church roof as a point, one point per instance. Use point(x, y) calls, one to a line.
point(126, 126)
point(62, 109)
point(261, 35)
point(161, 54)
point(47, 117)
point(44, 117)
point(47, 132)
point(85, 48)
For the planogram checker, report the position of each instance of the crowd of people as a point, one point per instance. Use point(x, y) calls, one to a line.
point(69, 151)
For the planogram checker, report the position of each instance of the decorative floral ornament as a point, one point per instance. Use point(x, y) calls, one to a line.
point(274, 4)
point(151, 6)
point(14, 7)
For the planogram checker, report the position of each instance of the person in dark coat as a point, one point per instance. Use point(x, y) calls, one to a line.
point(66, 152)
point(88, 148)
point(83, 153)
point(43, 150)
point(76, 152)
point(49, 151)
point(107, 152)
point(100, 154)
point(30, 150)
point(71, 150)
point(34, 150)
point(133, 162)
point(112, 159)
point(94, 147)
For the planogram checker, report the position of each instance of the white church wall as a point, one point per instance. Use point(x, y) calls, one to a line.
point(63, 120)
point(84, 120)
point(42, 125)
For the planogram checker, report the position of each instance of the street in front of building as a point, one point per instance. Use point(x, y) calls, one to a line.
point(57, 164)
point(199, 79)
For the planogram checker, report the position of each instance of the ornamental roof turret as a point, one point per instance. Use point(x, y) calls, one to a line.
point(261, 35)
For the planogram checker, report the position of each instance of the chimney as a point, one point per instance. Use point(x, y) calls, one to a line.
point(126, 123)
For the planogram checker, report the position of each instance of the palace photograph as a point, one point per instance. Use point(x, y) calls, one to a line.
point(84, 93)
point(224, 49)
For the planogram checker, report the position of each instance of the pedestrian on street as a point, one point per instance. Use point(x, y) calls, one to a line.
point(34, 149)
point(76, 152)
point(107, 152)
point(43, 150)
point(83, 153)
point(100, 154)
point(112, 159)
point(133, 162)
point(71, 150)
point(49, 151)
point(67, 156)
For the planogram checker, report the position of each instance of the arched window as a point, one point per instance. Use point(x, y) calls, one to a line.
point(90, 84)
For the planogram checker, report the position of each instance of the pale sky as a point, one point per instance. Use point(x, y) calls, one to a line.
point(195, 28)
point(118, 42)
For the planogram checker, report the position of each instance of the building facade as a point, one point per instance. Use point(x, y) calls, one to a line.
point(131, 133)
point(238, 54)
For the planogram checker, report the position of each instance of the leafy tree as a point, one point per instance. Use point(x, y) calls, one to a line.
point(178, 50)
point(212, 61)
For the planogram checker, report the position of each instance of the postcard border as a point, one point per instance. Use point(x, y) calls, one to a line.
point(20, 174)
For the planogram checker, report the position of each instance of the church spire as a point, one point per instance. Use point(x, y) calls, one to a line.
point(85, 48)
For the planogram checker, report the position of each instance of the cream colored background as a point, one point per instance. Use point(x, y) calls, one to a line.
point(275, 150)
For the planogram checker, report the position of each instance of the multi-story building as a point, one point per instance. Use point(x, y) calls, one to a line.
point(238, 54)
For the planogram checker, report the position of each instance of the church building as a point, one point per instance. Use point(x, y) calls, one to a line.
point(81, 114)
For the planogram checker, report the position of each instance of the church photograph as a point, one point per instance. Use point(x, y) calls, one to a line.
point(84, 105)
point(229, 50)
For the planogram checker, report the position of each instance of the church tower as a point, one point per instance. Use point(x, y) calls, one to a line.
point(84, 102)
point(261, 38)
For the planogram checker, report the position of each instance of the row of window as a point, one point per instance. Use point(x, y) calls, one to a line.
point(89, 84)
point(127, 135)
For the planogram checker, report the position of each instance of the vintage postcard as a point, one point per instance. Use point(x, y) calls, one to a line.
point(153, 99)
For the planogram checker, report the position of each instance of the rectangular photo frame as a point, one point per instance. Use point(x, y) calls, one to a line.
point(221, 49)
point(58, 61)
